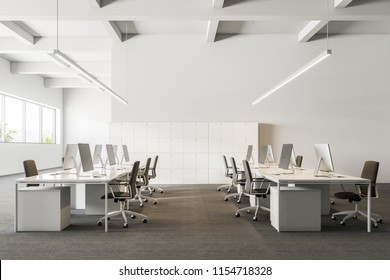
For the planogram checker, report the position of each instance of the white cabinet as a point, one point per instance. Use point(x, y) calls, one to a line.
point(295, 209)
point(43, 208)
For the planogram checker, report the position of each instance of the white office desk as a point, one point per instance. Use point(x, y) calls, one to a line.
point(306, 177)
point(68, 178)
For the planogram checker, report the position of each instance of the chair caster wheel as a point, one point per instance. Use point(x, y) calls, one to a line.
point(99, 223)
point(146, 200)
point(332, 202)
point(379, 221)
point(375, 225)
point(155, 202)
point(254, 219)
point(108, 218)
point(141, 205)
point(237, 215)
point(355, 217)
point(226, 199)
point(125, 225)
point(248, 211)
point(161, 191)
point(343, 223)
point(153, 190)
point(333, 218)
point(144, 221)
point(238, 201)
point(218, 190)
point(228, 191)
point(132, 216)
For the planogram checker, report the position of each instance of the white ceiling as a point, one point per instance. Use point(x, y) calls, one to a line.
point(87, 28)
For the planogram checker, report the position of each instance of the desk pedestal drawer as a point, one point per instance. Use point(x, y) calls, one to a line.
point(296, 209)
point(43, 208)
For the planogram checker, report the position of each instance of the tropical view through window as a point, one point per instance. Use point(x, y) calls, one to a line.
point(23, 121)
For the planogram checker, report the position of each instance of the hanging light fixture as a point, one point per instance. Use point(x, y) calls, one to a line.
point(84, 74)
point(303, 69)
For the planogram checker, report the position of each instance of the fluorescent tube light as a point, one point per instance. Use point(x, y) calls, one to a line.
point(306, 67)
point(84, 74)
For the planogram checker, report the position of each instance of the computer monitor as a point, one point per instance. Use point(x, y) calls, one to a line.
point(266, 154)
point(293, 158)
point(85, 156)
point(324, 159)
point(97, 155)
point(125, 153)
point(70, 157)
point(110, 154)
point(249, 155)
point(285, 156)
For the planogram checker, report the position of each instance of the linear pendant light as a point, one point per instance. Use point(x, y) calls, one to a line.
point(69, 63)
point(306, 67)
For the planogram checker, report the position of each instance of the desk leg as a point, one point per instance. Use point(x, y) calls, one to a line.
point(278, 187)
point(105, 208)
point(369, 208)
point(16, 208)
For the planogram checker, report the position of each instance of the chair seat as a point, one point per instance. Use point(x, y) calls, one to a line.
point(351, 196)
point(120, 196)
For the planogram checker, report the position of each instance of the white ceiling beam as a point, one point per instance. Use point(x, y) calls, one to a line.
point(66, 44)
point(67, 83)
point(218, 3)
point(192, 10)
point(212, 28)
point(341, 3)
point(310, 30)
point(18, 32)
point(100, 69)
point(113, 30)
point(94, 3)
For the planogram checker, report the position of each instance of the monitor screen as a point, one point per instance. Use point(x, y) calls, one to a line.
point(86, 158)
point(97, 154)
point(263, 154)
point(70, 157)
point(126, 153)
point(110, 154)
point(270, 154)
point(324, 158)
point(293, 158)
point(249, 152)
point(285, 156)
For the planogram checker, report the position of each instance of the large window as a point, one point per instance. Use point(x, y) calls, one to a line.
point(22, 121)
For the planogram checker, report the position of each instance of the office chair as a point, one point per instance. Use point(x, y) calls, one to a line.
point(238, 178)
point(254, 187)
point(123, 196)
point(229, 174)
point(152, 174)
point(298, 160)
point(143, 184)
point(370, 171)
point(30, 169)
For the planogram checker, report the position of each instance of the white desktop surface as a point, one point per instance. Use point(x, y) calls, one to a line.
point(306, 176)
point(69, 178)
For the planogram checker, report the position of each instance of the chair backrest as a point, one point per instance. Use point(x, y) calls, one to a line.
point(30, 169)
point(248, 176)
point(146, 171)
point(235, 170)
point(153, 169)
point(298, 160)
point(227, 167)
point(133, 179)
point(370, 171)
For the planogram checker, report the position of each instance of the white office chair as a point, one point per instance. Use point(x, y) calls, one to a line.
point(123, 196)
point(238, 178)
point(229, 174)
point(143, 184)
point(257, 187)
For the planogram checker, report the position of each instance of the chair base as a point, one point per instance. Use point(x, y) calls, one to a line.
point(375, 218)
point(123, 212)
point(256, 208)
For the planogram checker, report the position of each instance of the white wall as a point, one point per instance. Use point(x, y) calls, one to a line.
point(31, 88)
point(343, 101)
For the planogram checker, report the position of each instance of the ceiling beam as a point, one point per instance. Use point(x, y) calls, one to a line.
point(94, 3)
point(212, 28)
point(18, 32)
point(67, 83)
point(113, 30)
point(47, 44)
point(100, 69)
point(218, 3)
point(310, 30)
point(341, 3)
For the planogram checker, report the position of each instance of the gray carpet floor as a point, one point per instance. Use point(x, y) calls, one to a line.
point(194, 222)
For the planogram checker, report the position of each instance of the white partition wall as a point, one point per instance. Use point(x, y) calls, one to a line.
point(189, 153)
